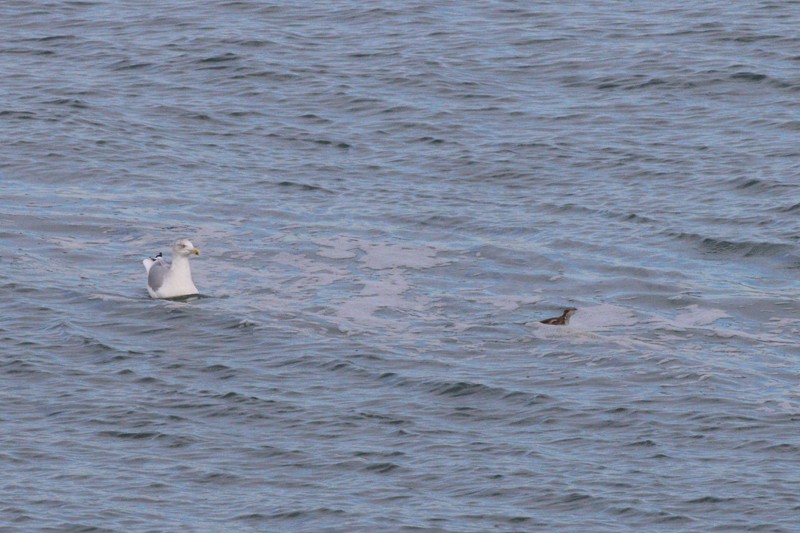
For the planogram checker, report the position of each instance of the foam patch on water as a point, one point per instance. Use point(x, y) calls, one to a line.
point(375, 293)
point(691, 317)
point(337, 247)
point(322, 273)
point(383, 256)
point(593, 318)
point(360, 311)
point(756, 337)
point(694, 316)
point(593, 324)
point(605, 324)
point(603, 316)
point(304, 264)
point(380, 256)
point(504, 303)
point(778, 324)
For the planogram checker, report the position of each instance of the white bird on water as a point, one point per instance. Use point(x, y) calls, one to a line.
point(165, 280)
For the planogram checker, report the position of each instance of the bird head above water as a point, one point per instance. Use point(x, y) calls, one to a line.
point(184, 248)
point(562, 320)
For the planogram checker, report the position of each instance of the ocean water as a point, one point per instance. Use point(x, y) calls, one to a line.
point(388, 197)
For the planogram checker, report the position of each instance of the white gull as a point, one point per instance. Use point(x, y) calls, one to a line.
point(165, 280)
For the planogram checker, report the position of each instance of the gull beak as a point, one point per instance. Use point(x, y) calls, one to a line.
point(195, 251)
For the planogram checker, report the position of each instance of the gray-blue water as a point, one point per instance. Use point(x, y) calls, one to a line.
point(387, 197)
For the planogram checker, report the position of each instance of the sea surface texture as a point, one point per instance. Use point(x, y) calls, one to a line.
point(388, 197)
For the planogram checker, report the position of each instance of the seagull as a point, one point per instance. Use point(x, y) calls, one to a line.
point(165, 280)
point(562, 320)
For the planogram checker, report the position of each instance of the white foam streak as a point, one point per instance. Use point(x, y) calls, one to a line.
point(380, 255)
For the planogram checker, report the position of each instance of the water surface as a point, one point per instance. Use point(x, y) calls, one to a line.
point(387, 198)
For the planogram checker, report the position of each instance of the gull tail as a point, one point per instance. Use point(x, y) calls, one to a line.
point(150, 261)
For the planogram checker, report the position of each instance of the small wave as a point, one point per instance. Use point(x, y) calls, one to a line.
point(315, 119)
point(724, 247)
point(692, 80)
point(171, 441)
point(752, 185)
point(129, 65)
point(269, 74)
point(459, 389)
point(646, 443)
point(29, 51)
point(217, 369)
point(638, 218)
point(345, 366)
point(303, 186)
point(710, 499)
point(790, 449)
point(71, 102)
point(431, 140)
point(749, 183)
point(748, 76)
point(306, 514)
point(335, 144)
point(148, 435)
point(244, 324)
point(26, 115)
point(791, 208)
point(51, 38)
point(381, 468)
point(384, 419)
point(250, 43)
point(220, 58)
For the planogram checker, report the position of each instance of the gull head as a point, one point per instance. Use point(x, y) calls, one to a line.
point(184, 248)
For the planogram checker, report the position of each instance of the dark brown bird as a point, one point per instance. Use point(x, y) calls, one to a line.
point(562, 320)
